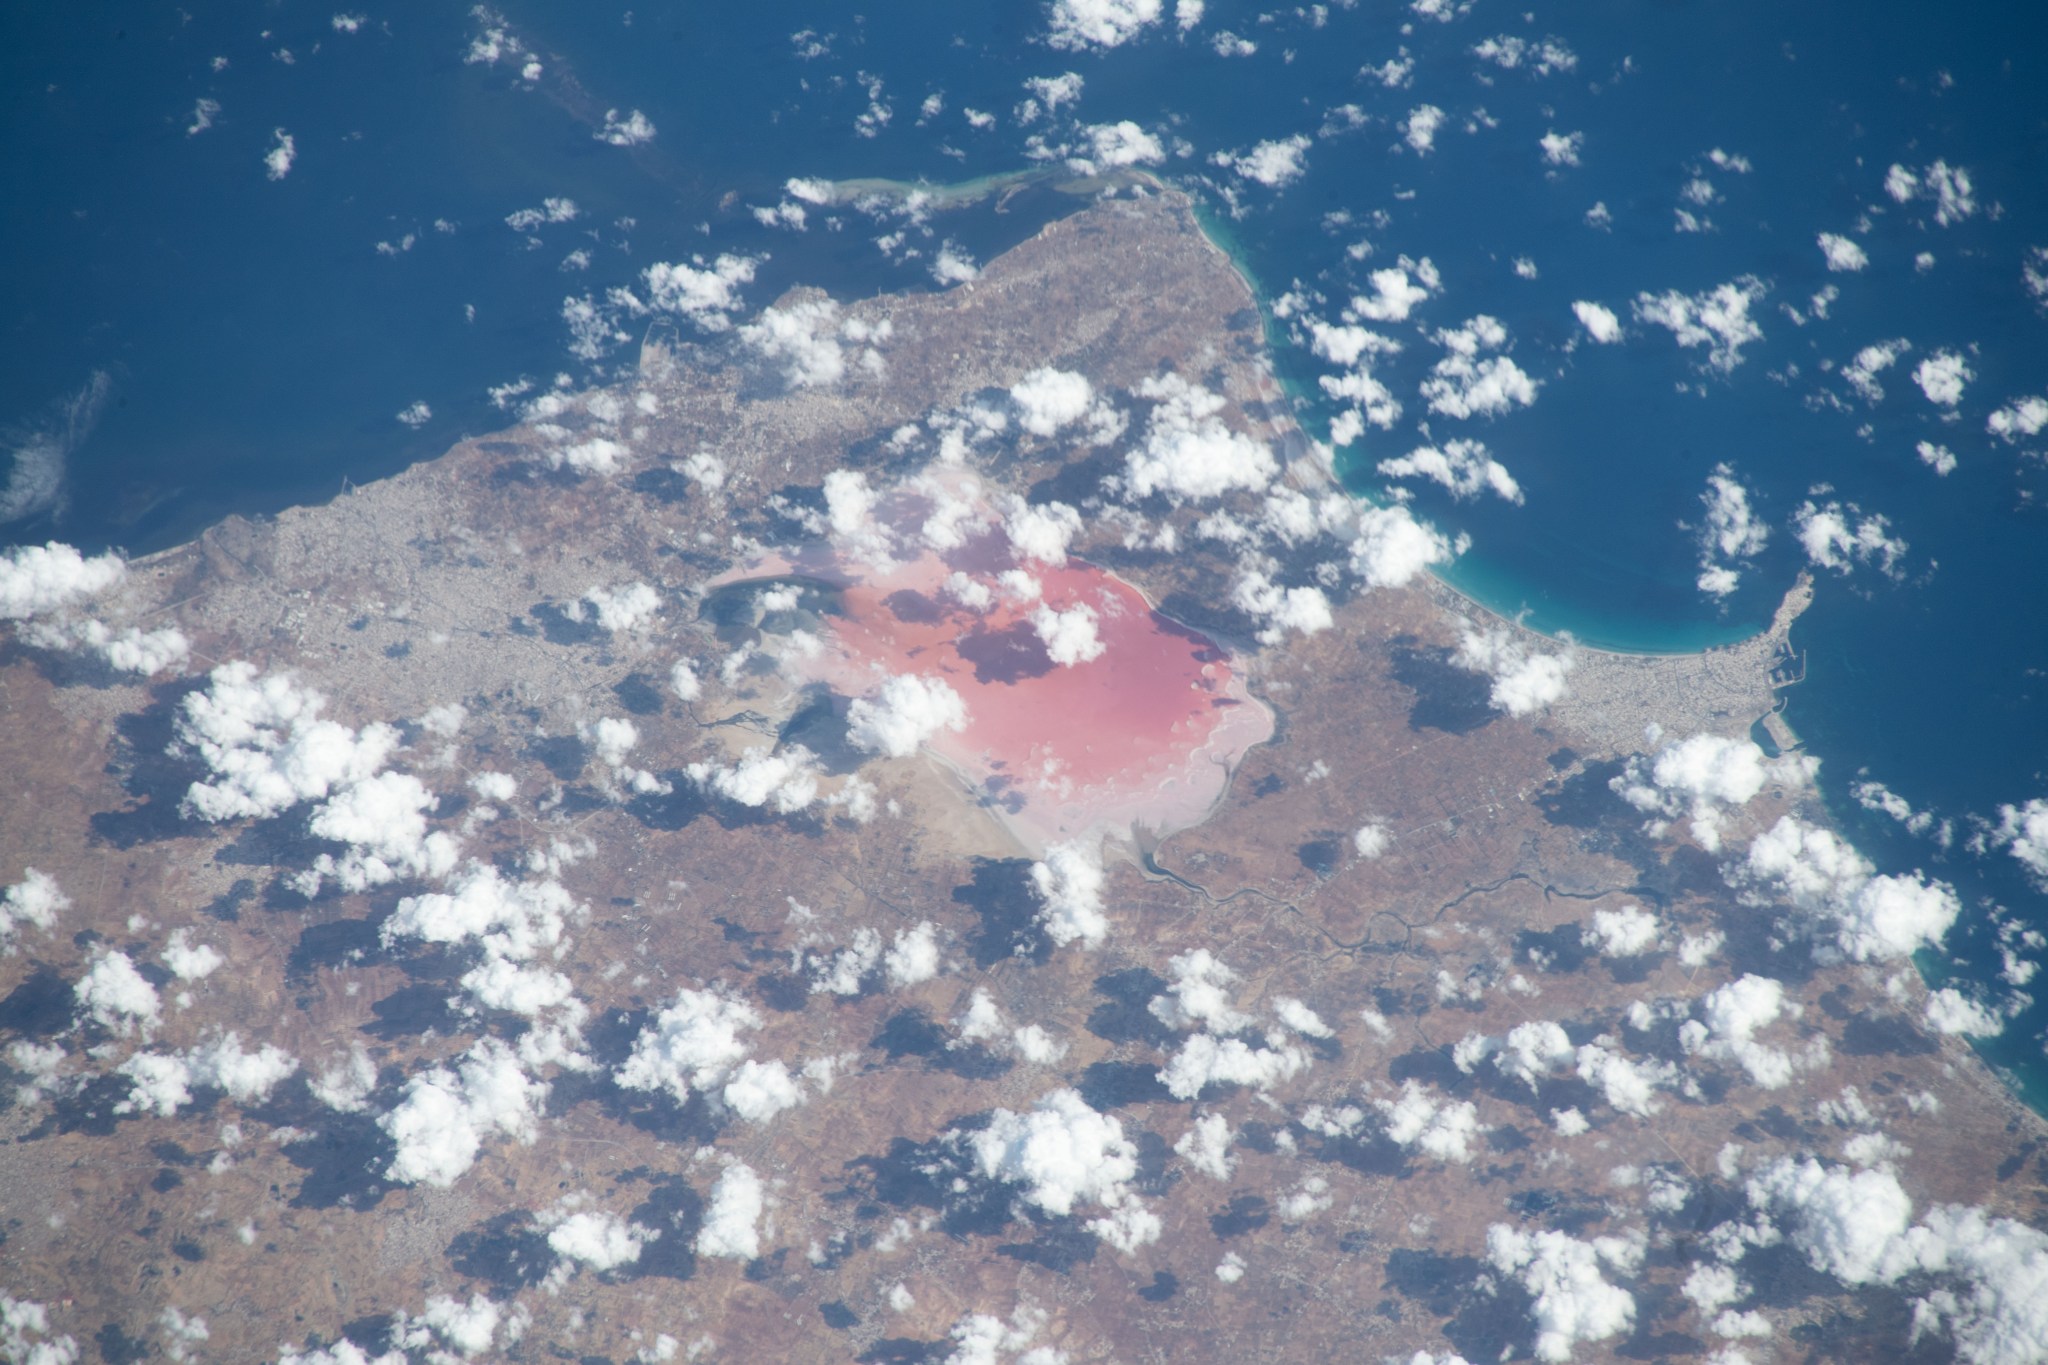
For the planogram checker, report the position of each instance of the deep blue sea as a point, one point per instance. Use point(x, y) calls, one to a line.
point(189, 331)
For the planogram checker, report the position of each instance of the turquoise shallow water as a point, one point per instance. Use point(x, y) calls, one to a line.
point(258, 346)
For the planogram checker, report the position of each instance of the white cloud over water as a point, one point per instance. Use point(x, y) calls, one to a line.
point(1717, 318)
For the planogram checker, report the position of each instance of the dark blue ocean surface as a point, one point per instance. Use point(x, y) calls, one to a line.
point(257, 330)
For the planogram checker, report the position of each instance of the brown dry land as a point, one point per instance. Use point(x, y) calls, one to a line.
point(447, 583)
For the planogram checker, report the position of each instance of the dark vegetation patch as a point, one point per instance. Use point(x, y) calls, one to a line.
point(640, 694)
point(1112, 1085)
point(1447, 697)
point(1165, 1284)
point(820, 725)
point(1321, 856)
point(1002, 895)
point(562, 755)
point(1125, 1016)
point(508, 1252)
point(557, 627)
point(1244, 1213)
point(662, 484)
point(1059, 1247)
point(148, 772)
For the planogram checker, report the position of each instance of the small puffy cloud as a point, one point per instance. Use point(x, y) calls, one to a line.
point(1524, 680)
point(1049, 93)
point(1561, 149)
point(1372, 841)
point(2023, 832)
point(847, 971)
point(1392, 547)
point(611, 739)
point(695, 1044)
point(1204, 1060)
point(1069, 636)
point(1371, 401)
point(1849, 1224)
point(1862, 371)
point(1188, 454)
point(1841, 253)
point(1396, 290)
point(1123, 143)
point(159, 1085)
point(784, 782)
point(1274, 163)
point(1419, 129)
point(1628, 1086)
point(913, 957)
point(38, 579)
point(117, 997)
point(630, 131)
point(905, 713)
point(1048, 400)
point(1950, 1011)
point(1541, 57)
point(440, 1126)
point(1573, 1301)
point(1706, 776)
point(706, 293)
point(1198, 998)
point(732, 1218)
point(1730, 1018)
point(1061, 1154)
point(2018, 419)
point(599, 455)
point(1717, 319)
point(383, 820)
point(34, 900)
point(1528, 1053)
point(1467, 468)
point(1303, 609)
point(803, 339)
point(1600, 322)
point(1077, 25)
point(284, 150)
point(189, 960)
point(1731, 532)
point(1041, 533)
point(554, 209)
point(1989, 1273)
point(953, 265)
point(128, 650)
point(345, 1087)
point(514, 921)
point(1069, 881)
point(21, 1323)
point(1835, 898)
point(1206, 1147)
point(465, 1329)
point(244, 1077)
point(1467, 382)
point(267, 747)
point(1939, 458)
point(1941, 378)
point(1840, 536)
point(1948, 186)
point(1444, 1129)
point(1198, 995)
point(600, 1240)
point(626, 607)
point(1628, 932)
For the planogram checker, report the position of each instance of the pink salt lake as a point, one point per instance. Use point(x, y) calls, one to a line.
point(1143, 736)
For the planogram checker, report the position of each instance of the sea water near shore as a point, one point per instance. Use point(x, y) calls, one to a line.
point(260, 336)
